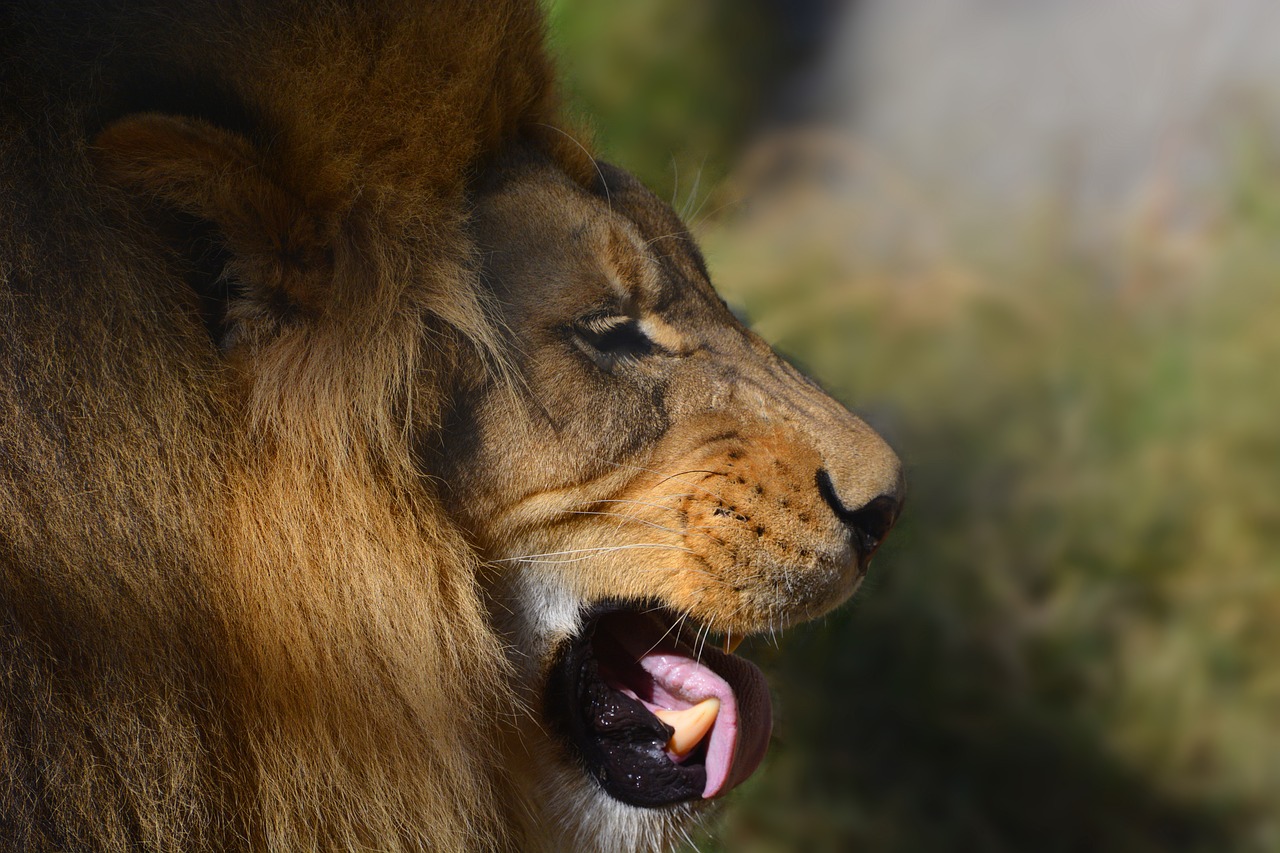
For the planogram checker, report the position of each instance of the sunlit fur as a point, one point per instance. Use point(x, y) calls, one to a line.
point(231, 611)
point(306, 467)
point(679, 469)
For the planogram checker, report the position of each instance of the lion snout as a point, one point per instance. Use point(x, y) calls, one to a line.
point(784, 541)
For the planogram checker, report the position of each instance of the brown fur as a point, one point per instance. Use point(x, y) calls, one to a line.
point(294, 381)
point(674, 463)
point(213, 571)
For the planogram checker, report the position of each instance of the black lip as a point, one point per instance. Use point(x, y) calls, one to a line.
point(619, 742)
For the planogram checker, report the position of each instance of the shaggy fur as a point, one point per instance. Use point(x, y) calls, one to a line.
point(338, 385)
point(215, 548)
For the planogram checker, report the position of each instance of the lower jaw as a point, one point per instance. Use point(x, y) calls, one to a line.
point(606, 721)
point(567, 810)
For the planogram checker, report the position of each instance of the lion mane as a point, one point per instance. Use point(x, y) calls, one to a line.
point(234, 278)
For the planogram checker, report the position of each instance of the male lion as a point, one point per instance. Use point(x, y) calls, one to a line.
point(377, 470)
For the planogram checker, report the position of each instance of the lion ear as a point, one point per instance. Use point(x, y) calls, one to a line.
point(244, 237)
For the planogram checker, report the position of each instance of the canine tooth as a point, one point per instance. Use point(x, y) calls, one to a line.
point(691, 725)
point(731, 643)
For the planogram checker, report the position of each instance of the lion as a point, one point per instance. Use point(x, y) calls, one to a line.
point(378, 469)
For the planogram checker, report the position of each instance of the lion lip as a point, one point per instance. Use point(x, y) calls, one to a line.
point(627, 666)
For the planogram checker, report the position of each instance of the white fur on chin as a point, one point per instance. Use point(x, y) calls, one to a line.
point(574, 813)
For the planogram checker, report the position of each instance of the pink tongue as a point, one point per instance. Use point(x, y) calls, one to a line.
point(740, 734)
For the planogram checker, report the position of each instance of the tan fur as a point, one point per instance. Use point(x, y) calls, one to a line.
point(233, 614)
point(289, 393)
point(692, 471)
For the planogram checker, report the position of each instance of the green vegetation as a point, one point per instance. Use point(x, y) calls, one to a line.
point(667, 86)
point(1068, 643)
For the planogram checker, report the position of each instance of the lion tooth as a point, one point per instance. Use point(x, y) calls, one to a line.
point(691, 725)
point(731, 643)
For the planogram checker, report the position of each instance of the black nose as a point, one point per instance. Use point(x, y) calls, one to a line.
point(868, 523)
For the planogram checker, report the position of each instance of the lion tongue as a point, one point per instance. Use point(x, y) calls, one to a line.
point(682, 683)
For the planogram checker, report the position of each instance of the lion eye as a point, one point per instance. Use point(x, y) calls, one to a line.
point(611, 338)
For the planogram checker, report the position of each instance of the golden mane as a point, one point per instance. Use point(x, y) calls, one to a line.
point(375, 466)
point(233, 613)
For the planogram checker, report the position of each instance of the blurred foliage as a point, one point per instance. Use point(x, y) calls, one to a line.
point(1068, 642)
point(670, 86)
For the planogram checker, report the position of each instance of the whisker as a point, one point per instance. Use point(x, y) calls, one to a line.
point(665, 477)
point(672, 627)
point(693, 193)
point(695, 221)
point(700, 529)
point(675, 234)
point(710, 492)
point(604, 548)
point(675, 189)
point(607, 197)
point(702, 641)
point(638, 503)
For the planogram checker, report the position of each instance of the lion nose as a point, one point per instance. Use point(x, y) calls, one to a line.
point(870, 522)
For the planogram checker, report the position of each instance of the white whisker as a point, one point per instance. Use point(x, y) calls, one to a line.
point(653, 240)
point(693, 193)
point(528, 558)
point(638, 503)
point(675, 189)
point(701, 639)
point(604, 184)
point(672, 627)
point(699, 529)
point(665, 476)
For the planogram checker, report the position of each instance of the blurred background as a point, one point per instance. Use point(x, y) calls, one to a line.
point(1036, 243)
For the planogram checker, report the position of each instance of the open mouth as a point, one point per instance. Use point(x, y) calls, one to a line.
point(655, 720)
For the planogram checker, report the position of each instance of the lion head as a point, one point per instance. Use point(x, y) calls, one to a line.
point(377, 468)
point(650, 484)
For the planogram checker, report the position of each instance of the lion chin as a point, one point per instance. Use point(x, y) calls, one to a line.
point(378, 470)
